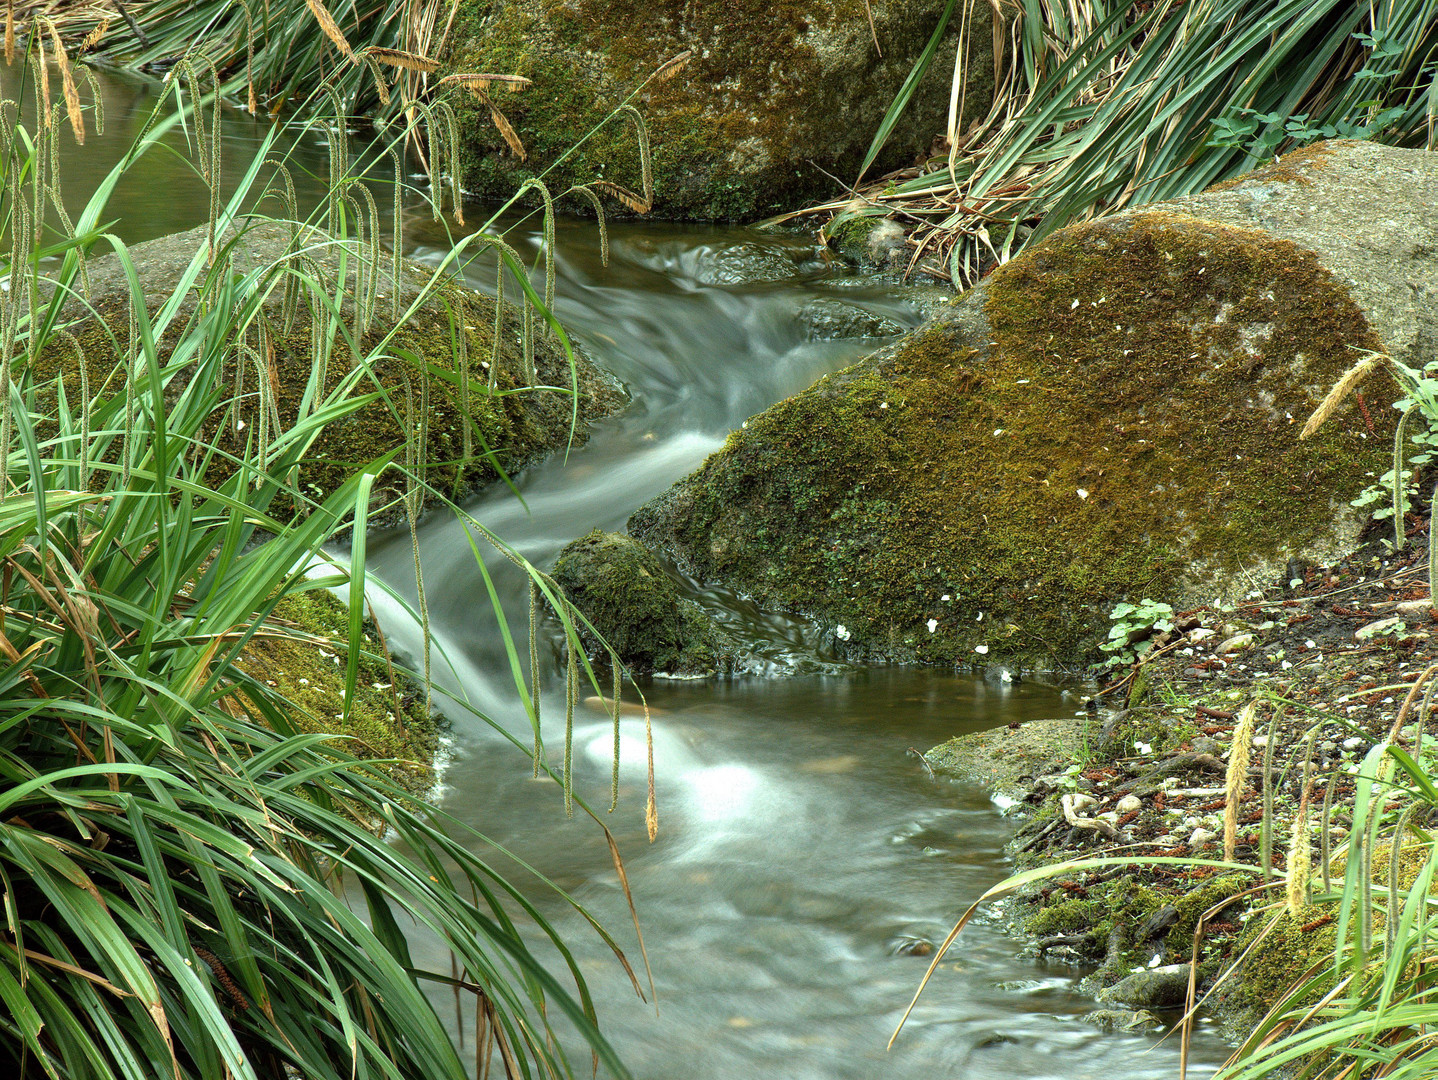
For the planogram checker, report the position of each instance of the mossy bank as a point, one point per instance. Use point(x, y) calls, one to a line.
point(388, 720)
point(1113, 415)
point(773, 98)
point(509, 426)
point(1152, 768)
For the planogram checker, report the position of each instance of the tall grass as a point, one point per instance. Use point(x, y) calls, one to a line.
point(1103, 104)
point(192, 887)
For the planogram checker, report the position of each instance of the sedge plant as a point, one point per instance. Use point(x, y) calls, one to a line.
point(193, 884)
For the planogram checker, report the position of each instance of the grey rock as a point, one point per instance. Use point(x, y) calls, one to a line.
point(1159, 988)
point(1114, 1020)
point(1369, 212)
point(911, 458)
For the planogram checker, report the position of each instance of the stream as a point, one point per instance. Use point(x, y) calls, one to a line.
point(804, 854)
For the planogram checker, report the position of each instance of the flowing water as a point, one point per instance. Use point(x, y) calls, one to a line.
point(804, 854)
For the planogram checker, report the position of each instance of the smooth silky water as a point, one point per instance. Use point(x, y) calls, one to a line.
point(803, 849)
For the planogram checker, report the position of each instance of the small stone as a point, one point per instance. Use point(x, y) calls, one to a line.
point(1378, 626)
point(1201, 633)
point(1237, 643)
point(1205, 745)
point(1413, 608)
point(1128, 804)
point(1201, 838)
point(1260, 741)
point(1112, 1020)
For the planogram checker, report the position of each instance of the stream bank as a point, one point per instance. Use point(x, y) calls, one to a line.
point(1329, 654)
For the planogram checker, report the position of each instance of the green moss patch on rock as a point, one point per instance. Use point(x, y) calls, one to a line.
point(388, 719)
point(634, 604)
point(774, 94)
point(1113, 415)
point(510, 427)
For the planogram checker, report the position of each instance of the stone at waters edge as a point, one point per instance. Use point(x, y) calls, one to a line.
point(622, 589)
point(1160, 362)
point(1113, 1020)
point(1159, 988)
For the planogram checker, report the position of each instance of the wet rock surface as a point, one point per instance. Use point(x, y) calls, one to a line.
point(638, 609)
point(1115, 410)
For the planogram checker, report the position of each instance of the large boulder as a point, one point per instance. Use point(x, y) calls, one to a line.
point(1113, 415)
point(775, 95)
point(509, 429)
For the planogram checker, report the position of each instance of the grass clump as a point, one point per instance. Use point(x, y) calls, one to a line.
point(194, 880)
point(1106, 106)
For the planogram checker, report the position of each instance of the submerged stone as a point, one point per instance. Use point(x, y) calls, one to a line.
point(775, 96)
point(1111, 416)
point(637, 608)
point(1112, 1020)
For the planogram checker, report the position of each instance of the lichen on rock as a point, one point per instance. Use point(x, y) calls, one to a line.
point(774, 95)
point(638, 609)
point(1112, 415)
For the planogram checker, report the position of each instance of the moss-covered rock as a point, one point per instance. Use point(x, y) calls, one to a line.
point(388, 719)
point(774, 95)
point(510, 427)
point(628, 596)
point(1113, 415)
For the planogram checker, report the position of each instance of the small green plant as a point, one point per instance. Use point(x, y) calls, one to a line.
point(1133, 627)
point(1420, 398)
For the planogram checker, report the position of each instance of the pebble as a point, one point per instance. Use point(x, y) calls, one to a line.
point(1201, 838)
point(1237, 643)
point(1260, 741)
point(1204, 745)
point(1128, 804)
point(1354, 743)
point(1378, 626)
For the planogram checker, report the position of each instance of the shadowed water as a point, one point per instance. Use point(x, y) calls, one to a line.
point(803, 849)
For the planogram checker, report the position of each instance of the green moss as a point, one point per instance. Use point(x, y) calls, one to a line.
point(1071, 917)
point(1279, 951)
point(736, 132)
point(1121, 423)
point(386, 721)
point(1294, 168)
point(637, 608)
